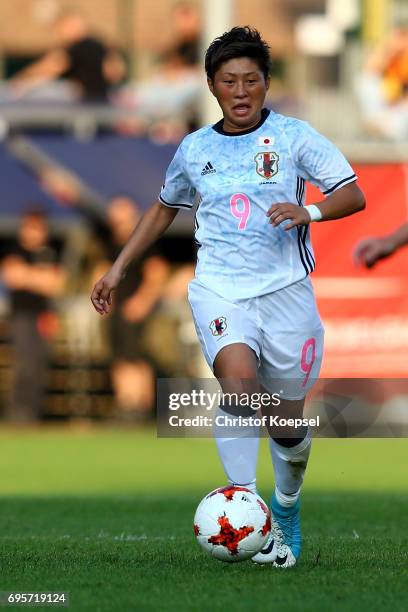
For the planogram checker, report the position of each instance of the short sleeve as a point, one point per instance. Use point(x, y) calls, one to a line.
point(177, 191)
point(320, 162)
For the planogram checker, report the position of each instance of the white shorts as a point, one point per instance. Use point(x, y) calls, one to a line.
point(283, 328)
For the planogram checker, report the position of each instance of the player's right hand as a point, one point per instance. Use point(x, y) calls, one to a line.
point(369, 251)
point(101, 296)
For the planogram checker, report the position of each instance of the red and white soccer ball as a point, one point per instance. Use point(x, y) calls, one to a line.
point(232, 523)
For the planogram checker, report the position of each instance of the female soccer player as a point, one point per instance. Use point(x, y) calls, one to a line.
point(251, 298)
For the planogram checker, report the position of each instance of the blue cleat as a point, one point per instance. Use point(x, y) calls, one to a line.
point(288, 536)
point(284, 544)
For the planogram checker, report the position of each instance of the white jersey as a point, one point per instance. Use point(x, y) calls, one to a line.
point(235, 178)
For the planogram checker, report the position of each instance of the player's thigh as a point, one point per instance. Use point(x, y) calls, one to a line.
point(293, 338)
point(236, 369)
point(228, 333)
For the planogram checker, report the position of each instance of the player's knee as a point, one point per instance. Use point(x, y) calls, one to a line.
point(236, 362)
point(242, 373)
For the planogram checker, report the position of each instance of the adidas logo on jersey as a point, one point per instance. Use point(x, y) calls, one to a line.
point(208, 169)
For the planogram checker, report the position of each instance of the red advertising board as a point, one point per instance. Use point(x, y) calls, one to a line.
point(365, 312)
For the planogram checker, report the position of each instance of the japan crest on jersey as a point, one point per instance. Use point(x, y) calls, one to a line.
point(267, 164)
point(218, 326)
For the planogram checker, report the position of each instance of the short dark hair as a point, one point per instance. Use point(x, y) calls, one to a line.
point(35, 210)
point(238, 42)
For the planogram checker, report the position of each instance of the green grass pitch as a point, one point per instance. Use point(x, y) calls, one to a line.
point(107, 516)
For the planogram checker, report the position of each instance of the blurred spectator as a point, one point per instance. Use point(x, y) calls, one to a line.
point(33, 275)
point(383, 88)
point(132, 371)
point(79, 57)
point(132, 375)
point(186, 32)
point(166, 103)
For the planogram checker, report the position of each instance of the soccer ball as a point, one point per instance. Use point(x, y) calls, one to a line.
point(232, 523)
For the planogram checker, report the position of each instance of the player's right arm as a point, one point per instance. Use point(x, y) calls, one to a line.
point(149, 229)
point(177, 192)
point(370, 251)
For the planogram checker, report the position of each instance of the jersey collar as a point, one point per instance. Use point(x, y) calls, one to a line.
point(219, 126)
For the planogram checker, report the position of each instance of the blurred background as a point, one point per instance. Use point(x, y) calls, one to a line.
point(95, 96)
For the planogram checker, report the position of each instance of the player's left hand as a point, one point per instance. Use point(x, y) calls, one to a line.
point(285, 211)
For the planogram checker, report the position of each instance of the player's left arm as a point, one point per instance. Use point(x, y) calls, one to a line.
point(343, 202)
